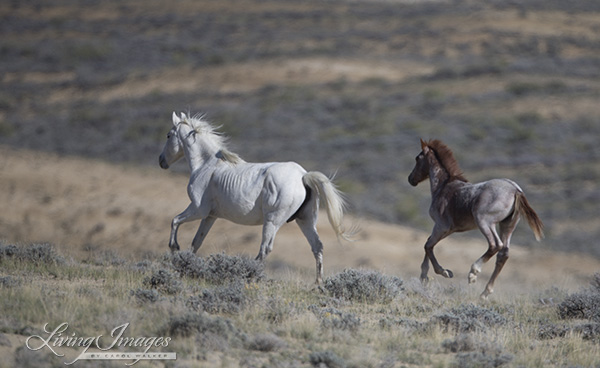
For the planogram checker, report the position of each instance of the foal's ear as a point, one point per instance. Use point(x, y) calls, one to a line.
point(424, 146)
point(176, 119)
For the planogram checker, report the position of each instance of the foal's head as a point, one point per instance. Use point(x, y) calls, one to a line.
point(432, 152)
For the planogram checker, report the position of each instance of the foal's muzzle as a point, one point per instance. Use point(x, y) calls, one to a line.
point(162, 161)
point(412, 181)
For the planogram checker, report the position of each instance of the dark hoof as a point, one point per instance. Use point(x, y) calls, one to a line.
point(448, 274)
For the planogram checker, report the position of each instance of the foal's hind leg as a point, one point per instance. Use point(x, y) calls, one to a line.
point(506, 230)
point(494, 244)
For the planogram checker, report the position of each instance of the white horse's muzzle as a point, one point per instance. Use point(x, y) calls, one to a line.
point(162, 161)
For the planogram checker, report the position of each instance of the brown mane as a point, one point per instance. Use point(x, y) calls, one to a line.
point(446, 159)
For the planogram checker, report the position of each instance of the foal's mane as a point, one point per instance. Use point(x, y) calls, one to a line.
point(211, 132)
point(446, 159)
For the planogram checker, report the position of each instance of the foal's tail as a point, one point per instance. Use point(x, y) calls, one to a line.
point(331, 197)
point(522, 206)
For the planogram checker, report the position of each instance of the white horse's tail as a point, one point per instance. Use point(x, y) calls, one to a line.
point(331, 197)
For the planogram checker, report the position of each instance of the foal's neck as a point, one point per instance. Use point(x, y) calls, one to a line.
point(438, 176)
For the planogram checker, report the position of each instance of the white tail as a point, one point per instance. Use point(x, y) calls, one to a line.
point(332, 198)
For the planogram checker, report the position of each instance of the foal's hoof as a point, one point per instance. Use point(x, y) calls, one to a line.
point(472, 278)
point(448, 274)
point(174, 248)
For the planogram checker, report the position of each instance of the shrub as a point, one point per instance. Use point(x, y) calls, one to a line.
point(215, 333)
point(479, 359)
point(276, 310)
point(187, 264)
point(588, 331)
point(9, 282)
point(144, 296)
point(218, 268)
point(461, 343)
point(327, 359)
point(221, 299)
point(266, 343)
point(596, 282)
point(221, 268)
point(581, 305)
point(35, 253)
point(469, 318)
point(336, 319)
point(164, 281)
point(364, 286)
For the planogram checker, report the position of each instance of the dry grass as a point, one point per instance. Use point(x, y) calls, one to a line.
point(285, 323)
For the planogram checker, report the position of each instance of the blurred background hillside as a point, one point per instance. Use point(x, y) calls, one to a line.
point(338, 86)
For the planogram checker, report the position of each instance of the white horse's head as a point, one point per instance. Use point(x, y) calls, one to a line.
point(174, 149)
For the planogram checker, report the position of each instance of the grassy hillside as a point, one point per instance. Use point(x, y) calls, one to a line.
point(337, 86)
point(224, 311)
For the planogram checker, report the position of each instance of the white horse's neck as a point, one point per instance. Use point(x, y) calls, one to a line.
point(201, 154)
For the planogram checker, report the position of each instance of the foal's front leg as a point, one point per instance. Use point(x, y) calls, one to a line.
point(435, 237)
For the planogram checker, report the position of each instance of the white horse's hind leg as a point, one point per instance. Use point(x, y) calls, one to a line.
point(203, 230)
point(191, 213)
point(309, 229)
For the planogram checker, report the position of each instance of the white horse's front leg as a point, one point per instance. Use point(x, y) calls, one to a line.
point(203, 230)
point(191, 213)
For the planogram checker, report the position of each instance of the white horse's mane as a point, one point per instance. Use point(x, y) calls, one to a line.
point(203, 127)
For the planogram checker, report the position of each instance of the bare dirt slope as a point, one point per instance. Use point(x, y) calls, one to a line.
point(87, 207)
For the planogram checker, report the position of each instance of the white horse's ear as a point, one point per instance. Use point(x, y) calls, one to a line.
point(183, 116)
point(176, 119)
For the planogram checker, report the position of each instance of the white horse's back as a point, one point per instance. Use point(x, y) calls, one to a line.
point(243, 193)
